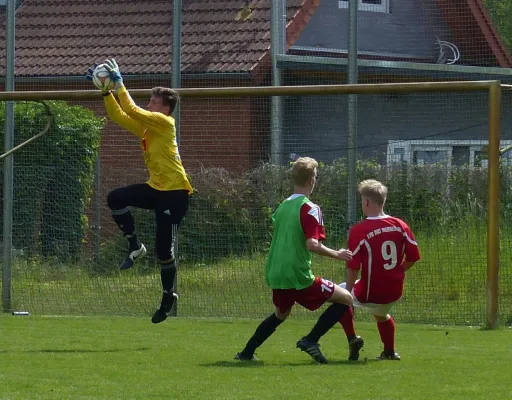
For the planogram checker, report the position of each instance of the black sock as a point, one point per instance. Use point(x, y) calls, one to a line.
point(263, 332)
point(349, 338)
point(327, 320)
point(134, 241)
point(167, 276)
point(124, 220)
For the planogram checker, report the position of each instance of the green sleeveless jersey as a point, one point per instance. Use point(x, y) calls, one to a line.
point(289, 260)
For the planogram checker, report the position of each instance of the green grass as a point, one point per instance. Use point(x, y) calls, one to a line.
point(129, 358)
point(448, 286)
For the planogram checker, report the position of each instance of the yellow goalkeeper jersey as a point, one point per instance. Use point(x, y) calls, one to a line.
point(157, 139)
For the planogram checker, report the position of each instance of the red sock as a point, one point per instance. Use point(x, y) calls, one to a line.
point(347, 322)
point(387, 334)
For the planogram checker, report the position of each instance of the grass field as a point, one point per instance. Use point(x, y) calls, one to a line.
point(448, 286)
point(129, 358)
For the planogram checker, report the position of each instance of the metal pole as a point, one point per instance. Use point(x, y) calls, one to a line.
point(277, 47)
point(177, 9)
point(96, 227)
point(493, 220)
point(303, 90)
point(352, 113)
point(8, 162)
point(176, 58)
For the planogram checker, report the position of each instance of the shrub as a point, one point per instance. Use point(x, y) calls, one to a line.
point(53, 177)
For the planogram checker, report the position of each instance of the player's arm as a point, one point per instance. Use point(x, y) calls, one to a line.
point(412, 252)
point(351, 278)
point(408, 264)
point(312, 225)
point(317, 247)
point(354, 265)
point(157, 122)
point(118, 116)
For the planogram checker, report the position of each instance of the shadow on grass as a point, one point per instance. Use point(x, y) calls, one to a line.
point(235, 364)
point(72, 351)
point(260, 363)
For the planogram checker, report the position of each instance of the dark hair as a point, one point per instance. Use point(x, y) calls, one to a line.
point(170, 97)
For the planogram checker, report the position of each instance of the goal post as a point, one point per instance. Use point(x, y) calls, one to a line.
point(492, 88)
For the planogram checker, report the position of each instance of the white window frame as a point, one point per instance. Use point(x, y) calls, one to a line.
point(382, 8)
point(410, 146)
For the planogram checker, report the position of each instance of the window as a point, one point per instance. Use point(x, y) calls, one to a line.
point(368, 5)
point(448, 152)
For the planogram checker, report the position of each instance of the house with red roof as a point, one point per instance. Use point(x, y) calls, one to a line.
point(227, 43)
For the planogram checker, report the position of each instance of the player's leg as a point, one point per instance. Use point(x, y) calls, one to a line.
point(264, 330)
point(355, 342)
point(118, 200)
point(324, 290)
point(386, 327)
point(283, 302)
point(170, 209)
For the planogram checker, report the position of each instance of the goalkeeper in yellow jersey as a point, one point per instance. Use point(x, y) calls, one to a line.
point(167, 190)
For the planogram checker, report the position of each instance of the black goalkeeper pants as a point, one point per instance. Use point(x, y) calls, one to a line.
point(170, 208)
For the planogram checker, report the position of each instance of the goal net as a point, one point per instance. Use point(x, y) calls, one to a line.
point(429, 148)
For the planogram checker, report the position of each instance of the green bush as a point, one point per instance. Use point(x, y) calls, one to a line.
point(53, 177)
point(230, 213)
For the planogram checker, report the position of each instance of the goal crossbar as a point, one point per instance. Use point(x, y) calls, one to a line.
point(370, 88)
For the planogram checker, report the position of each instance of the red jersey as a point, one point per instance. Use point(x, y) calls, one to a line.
point(312, 222)
point(380, 246)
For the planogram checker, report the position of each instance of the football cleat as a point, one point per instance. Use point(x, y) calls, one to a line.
point(159, 316)
point(162, 313)
point(313, 349)
point(133, 256)
point(389, 356)
point(242, 357)
point(354, 346)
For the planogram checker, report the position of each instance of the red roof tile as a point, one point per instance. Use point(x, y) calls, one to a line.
point(63, 37)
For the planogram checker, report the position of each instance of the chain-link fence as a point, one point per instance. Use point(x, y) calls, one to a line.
point(429, 148)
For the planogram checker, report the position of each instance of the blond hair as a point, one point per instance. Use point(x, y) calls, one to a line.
point(303, 170)
point(374, 190)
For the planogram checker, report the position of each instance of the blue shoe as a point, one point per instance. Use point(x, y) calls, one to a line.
point(133, 256)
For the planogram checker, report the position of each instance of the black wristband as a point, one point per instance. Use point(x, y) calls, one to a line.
point(105, 93)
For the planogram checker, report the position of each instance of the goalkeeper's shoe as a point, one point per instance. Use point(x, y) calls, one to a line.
point(313, 349)
point(243, 357)
point(134, 256)
point(354, 346)
point(162, 313)
point(389, 356)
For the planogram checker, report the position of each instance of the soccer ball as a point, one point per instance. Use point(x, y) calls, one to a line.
point(101, 78)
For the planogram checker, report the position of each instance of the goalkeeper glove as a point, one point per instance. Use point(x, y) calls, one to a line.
point(115, 73)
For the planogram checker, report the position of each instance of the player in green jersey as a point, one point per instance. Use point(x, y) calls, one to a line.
point(298, 233)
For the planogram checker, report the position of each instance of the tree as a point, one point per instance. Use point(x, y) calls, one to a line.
point(501, 14)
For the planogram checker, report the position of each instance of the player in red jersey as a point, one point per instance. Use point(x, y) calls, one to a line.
point(383, 249)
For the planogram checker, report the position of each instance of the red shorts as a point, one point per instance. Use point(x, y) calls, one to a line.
point(311, 297)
